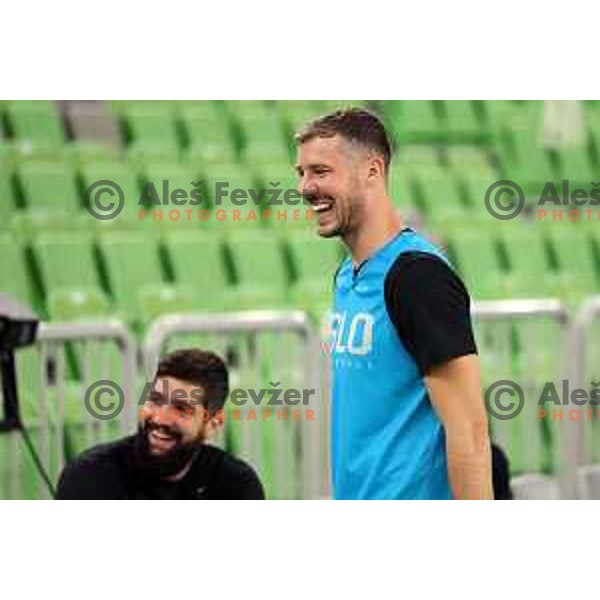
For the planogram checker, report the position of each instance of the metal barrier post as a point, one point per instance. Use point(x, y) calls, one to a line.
point(518, 310)
point(52, 338)
point(588, 475)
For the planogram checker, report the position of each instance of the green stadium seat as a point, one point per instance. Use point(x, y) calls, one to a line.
point(410, 157)
point(125, 175)
point(576, 166)
point(198, 260)
point(475, 186)
point(26, 224)
point(19, 477)
point(471, 159)
point(70, 275)
point(67, 259)
point(233, 179)
point(505, 117)
point(297, 113)
point(333, 105)
point(152, 131)
point(574, 254)
point(495, 115)
point(281, 184)
point(7, 198)
point(49, 186)
point(401, 189)
point(529, 164)
point(84, 152)
point(208, 133)
point(526, 116)
point(35, 124)
point(592, 123)
point(245, 107)
point(273, 171)
point(462, 124)
point(49, 191)
point(531, 273)
point(135, 274)
point(132, 261)
point(314, 262)
point(122, 173)
point(15, 278)
point(414, 121)
point(440, 196)
point(178, 177)
point(313, 258)
point(263, 136)
point(476, 256)
point(8, 153)
point(259, 266)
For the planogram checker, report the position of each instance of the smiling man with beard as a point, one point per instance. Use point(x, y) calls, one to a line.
point(168, 459)
point(408, 418)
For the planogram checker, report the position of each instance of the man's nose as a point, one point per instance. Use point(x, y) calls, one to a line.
point(160, 414)
point(308, 187)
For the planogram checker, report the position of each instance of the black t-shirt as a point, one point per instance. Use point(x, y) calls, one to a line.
point(500, 474)
point(106, 472)
point(430, 309)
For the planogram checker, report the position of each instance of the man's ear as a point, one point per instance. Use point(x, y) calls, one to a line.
point(216, 422)
point(376, 167)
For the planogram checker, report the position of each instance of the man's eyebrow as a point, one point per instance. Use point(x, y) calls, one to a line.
point(314, 166)
point(181, 404)
point(154, 394)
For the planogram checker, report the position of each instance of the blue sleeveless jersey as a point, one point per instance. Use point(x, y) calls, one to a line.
point(387, 441)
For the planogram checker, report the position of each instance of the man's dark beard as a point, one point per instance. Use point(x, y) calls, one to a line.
point(158, 467)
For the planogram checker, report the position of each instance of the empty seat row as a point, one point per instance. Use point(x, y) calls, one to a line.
point(72, 274)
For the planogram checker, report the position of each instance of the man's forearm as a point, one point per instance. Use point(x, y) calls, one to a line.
point(469, 466)
point(455, 391)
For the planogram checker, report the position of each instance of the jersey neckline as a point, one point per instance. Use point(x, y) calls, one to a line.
point(357, 270)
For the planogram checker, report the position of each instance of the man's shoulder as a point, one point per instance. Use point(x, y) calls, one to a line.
point(96, 473)
point(235, 474)
point(229, 463)
point(110, 453)
point(418, 267)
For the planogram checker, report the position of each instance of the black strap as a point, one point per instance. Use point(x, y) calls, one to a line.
point(12, 420)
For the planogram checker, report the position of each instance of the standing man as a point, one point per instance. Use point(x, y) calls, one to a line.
point(408, 419)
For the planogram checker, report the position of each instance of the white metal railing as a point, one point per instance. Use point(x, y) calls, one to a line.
point(525, 315)
point(288, 344)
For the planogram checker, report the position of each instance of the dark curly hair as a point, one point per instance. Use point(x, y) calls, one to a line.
point(199, 367)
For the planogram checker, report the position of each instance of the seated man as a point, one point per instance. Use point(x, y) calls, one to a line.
point(167, 458)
